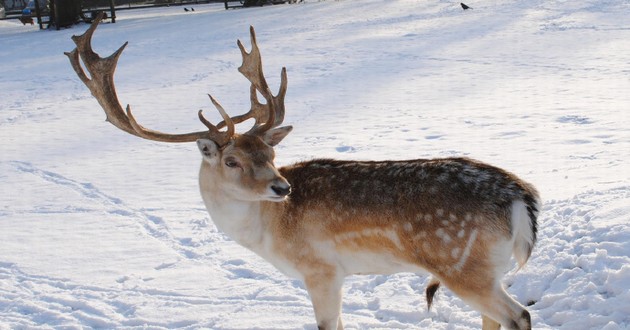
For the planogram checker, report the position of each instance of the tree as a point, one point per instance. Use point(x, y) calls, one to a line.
point(66, 12)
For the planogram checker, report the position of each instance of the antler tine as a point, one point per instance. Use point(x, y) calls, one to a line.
point(101, 79)
point(251, 67)
point(259, 112)
point(101, 83)
point(220, 138)
point(267, 115)
point(282, 92)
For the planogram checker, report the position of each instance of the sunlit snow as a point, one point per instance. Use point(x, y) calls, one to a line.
point(100, 229)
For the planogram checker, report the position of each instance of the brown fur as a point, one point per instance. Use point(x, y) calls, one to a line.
point(407, 197)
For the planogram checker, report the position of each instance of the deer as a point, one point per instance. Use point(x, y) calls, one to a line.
point(321, 220)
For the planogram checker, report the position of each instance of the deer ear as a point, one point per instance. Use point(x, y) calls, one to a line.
point(274, 136)
point(209, 149)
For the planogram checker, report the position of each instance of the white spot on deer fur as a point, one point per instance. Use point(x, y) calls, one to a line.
point(426, 246)
point(446, 239)
point(461, 233)
point(408, 226)
point(346, 236)
point(389, 234)
point(393, 237)
point(444, 223)
point(452, 217)
point(468, 216)
point(439, 212)
point(428, 217)
point(455, 252)
point(462, 260)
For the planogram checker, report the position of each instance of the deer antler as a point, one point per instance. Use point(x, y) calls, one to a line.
point(101, 84)
point(271, 114)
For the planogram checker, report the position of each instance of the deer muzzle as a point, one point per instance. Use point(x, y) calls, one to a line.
point(281, 188)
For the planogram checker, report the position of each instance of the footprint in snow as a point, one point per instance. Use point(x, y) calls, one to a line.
point(574, 119)
point(345, 149)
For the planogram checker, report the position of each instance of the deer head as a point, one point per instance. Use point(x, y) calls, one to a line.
point(241, 163)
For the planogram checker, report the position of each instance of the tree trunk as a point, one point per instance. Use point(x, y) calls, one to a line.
point(67, 12)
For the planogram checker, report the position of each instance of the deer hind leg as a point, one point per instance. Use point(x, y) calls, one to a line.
point(489, 324)
point(325, 293)
point(498, 309)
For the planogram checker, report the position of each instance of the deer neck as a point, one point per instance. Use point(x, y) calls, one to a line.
point(244, 221)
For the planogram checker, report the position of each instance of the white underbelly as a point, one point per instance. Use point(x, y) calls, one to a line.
point(366, 263)
point(357, 261)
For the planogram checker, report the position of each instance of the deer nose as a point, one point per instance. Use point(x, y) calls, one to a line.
point(281, 189)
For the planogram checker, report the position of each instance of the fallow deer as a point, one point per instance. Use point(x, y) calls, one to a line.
point(322, 220)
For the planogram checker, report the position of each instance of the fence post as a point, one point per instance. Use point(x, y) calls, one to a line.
point(38, 14)
point(112, 9)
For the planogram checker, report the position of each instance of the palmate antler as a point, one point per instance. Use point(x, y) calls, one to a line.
point(101, 84)
point(267, 115)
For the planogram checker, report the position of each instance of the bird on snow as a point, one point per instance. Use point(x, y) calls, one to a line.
point(191, 8)
point(185, 9)
point(464, 6)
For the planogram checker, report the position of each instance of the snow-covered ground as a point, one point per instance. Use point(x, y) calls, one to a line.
point(99, 229)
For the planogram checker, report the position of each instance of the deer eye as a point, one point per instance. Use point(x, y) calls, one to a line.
point(231, 162)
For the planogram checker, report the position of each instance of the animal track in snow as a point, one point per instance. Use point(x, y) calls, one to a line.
point(153, 225)
point(574, 119)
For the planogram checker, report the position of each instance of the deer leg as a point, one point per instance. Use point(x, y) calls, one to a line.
point(489, 324)
point(325, 293)
point(502, 308)
point(498, 309)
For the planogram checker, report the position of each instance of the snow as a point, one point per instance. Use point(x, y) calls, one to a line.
point(99, 229)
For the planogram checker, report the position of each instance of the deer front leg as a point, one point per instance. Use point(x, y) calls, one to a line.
point(325, 293)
